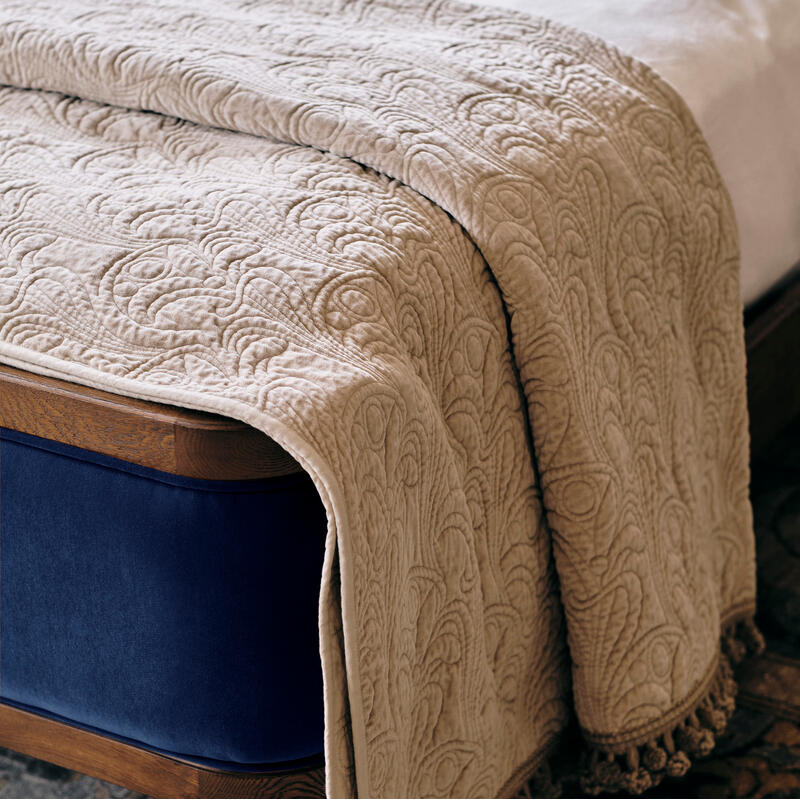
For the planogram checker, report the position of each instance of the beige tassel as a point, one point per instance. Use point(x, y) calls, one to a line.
point(678, 764)
point(654, 757)
point(712, 717)
point(669, 754)
point(752, 638)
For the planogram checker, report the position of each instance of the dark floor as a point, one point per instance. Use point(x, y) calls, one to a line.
point(760, 754)
point(26, 777)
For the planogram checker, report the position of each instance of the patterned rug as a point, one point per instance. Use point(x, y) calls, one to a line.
point(760, 754)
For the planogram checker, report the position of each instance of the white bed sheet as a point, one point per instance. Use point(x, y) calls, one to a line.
point(737, 65)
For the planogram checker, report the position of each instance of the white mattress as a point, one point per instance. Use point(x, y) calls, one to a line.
point(737, 65)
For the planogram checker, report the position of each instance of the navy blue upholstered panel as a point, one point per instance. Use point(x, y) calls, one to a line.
point(175, 612)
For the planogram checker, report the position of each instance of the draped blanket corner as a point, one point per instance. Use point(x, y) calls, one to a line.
point(478, 272)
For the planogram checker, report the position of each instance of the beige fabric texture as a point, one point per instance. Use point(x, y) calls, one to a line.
point(478, 273)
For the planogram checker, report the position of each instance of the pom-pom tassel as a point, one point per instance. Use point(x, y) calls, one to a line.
point(668, 754)
point(654, 757)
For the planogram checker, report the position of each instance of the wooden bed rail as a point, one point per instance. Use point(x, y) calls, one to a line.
point(145, 771)
point(188, 443)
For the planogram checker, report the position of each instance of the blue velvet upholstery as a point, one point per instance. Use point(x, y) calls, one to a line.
point(174, 612)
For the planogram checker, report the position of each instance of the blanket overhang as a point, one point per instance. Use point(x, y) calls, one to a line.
point(479, 274)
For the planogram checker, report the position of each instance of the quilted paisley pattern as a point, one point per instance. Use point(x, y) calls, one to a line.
point(478, 273)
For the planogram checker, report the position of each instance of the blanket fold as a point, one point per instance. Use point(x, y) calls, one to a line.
point(479, 274)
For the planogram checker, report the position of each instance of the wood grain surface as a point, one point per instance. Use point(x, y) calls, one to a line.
point(142, 770)
point(188, 443)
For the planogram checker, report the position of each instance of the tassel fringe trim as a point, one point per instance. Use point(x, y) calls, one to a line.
point(669, 754)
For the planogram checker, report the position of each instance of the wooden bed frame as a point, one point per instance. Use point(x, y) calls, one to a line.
point(772, 337)
point(144, 771)
point(188, 443)
point(207, 446)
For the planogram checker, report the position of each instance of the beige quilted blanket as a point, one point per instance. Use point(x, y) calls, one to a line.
point(478, 273)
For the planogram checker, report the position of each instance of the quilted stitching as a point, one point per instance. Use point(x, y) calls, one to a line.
point(271, 277)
